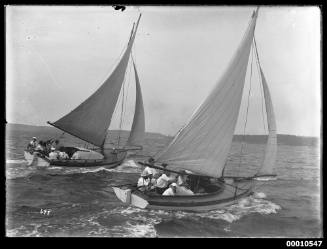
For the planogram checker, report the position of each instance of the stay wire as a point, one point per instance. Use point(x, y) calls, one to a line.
point(127, 90)
point(261, 87)
point(247, 112)
point(122, 110)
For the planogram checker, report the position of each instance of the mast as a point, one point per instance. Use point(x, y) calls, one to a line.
point(90, 120)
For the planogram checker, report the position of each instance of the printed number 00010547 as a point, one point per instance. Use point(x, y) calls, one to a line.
point(303, 243)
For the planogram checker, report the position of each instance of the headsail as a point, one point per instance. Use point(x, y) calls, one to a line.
point(90, 120)
point(138, 127)
point(202, 146)
point(271, 147)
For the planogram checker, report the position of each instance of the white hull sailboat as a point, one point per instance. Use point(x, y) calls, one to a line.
point(203, 144)
point(91, 119)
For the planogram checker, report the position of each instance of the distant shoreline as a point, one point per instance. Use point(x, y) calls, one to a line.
point(282, 139)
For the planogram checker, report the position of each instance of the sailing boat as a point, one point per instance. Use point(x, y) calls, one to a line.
point(91, 119)
point(203, 144)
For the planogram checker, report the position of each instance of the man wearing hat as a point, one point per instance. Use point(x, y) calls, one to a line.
point(32, 144)
point(53, 155)
point(146, 181)
point(171, 190)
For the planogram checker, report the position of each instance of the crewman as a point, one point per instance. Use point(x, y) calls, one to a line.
point(182, 178)
point(40, 147)
point(48, 146)
point(146, 182)
point(53, 155)
point(63, 155)
point(171, 190)
point(75, 156)
point(182, 190)
point(163, 182)
point(150, 171)
point(55, 144)
point(32, 144)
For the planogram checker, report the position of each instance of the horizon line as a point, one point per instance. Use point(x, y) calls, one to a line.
point(174, 134)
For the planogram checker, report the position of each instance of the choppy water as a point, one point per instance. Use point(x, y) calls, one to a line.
point(80, 202)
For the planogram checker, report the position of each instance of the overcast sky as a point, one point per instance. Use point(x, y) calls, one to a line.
point(58, 56)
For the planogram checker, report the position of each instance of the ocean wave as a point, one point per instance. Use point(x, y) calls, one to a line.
point(139, 230)
point(126, 167)
point(245, 206)
point(22, 231)
point(259, 195)
point(16, 161)
point(134, 225)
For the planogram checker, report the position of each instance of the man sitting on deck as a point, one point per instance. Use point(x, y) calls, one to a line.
point(75, 156)
point(53, 155)
point(40, 147)
point(55, 144)
point(146, 182)
point(63, 155)
point(32, 144)
point(163, 182)
point(150, 171)
point(171, 190)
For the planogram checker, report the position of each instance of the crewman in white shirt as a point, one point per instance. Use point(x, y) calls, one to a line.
point(171, 190)
point(32, 144)
point(40, 147)
point(63, 155)
point(182, 190)
point(75, 156)
point(53, 155)
point(146, 182)
point(149, 171)
point(162, 182)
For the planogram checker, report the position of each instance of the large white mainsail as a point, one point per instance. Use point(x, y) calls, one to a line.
point(138, 127)
point(202, 146)
point(271, 147)
point(90, 120)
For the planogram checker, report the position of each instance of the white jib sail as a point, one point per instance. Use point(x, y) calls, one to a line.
point(202, 146)
point(271, 147)
point(138, 127)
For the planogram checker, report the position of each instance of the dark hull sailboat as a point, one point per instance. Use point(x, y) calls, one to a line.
point(203, 144)
point(91, 119)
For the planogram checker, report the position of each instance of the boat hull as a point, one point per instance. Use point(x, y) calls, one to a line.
point(35, 159)
point(195, 203)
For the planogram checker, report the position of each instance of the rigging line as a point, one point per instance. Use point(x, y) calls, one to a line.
point(128, 71)
point(262, 99)
point(114, 63)
point(121, 114)
point(112, 67)
point(128, 84)
point(114, 114)
point(261, 87)
point(122, 106)
point(246, 116)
